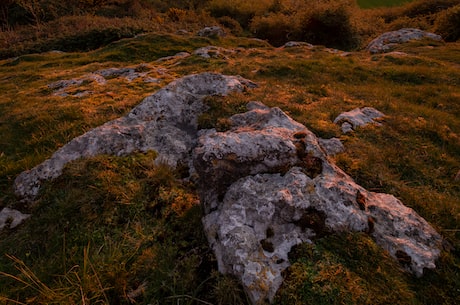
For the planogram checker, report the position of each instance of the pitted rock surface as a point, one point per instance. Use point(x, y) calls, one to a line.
point(165, 121)
point(267, 185)
point(387, 41)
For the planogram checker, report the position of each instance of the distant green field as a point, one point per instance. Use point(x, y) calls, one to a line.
point(379, 3)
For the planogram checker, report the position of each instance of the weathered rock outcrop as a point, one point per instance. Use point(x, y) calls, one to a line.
point(165, 121)
point(387, 41)
point(358, 117)
point(268, 185)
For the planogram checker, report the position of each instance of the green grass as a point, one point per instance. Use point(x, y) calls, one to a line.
point(114, 228)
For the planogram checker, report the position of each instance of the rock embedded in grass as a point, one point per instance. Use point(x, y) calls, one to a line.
point(358, 117)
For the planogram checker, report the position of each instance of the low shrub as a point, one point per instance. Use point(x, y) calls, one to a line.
point(240, 10)
point(231, 24)
point(448, 24)
point(176, 14)
point(330, 23)
point(276, 28)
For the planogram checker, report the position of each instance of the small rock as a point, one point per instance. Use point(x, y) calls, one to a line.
point(358, 117)
point(10, 218)
point(211, 31)
point(213, 52)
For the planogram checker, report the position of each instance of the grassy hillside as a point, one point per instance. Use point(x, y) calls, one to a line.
point(122, 230)
point(118, 230)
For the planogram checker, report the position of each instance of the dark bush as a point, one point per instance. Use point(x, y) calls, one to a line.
point(328, 23)
point(241, 10)
point(231, 24)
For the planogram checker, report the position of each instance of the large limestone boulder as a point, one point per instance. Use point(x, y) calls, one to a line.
point(165, 122)
point(387, 41)
point(267, 185)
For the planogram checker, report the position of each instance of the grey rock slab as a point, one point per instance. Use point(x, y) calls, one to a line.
point(165, 122)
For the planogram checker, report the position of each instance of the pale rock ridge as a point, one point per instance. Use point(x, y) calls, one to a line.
point(387, 41)
point(165, 121)
point(267, 185)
